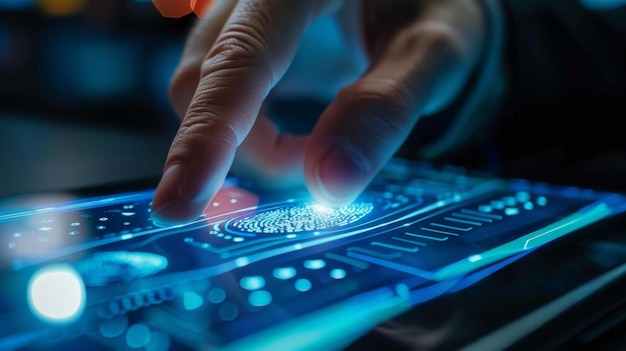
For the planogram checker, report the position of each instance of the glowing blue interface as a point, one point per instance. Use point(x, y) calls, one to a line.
point(266, 269)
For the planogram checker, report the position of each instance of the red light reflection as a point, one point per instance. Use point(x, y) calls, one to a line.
point(230, 198)
point(180, 8)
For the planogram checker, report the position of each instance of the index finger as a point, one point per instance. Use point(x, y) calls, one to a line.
point(251, 54)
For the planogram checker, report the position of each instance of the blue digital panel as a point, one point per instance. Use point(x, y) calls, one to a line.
point(268, 269)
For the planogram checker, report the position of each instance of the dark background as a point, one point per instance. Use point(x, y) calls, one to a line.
point(83, 103)
point(83, 92)
point(83, 99)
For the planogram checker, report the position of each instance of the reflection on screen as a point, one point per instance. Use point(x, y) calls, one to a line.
point(269, 269)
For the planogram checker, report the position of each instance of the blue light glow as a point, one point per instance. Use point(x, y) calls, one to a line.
point(242, 261)
point(192, 301)
point(56, 294)
point(511, 211)
point(485, 208)
point(284, 273)
point(137, 336)
point(475, 258)
point(497, 204)
point(132, 305)
point(260, 298)
point(217, 295)
point(300, 218)
point(314, 264)
point(602, 5)
point(103, 268)
point(509, 200)
point(16, 4)
point(402, 289)
point(338, 273)
point(159, 341)
point(114, 327)
point(252, 283)
point(229, 311)
point(303, 285)
point(542, 201)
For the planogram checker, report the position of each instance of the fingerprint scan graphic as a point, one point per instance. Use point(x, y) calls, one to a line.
point(300, 218)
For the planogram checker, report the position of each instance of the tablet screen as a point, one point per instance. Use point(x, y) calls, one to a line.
point(267, 270)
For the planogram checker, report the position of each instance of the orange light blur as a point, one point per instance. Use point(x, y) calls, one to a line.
point(61, 7)
point(201, 6)
point(180, 8)
point(173, 8)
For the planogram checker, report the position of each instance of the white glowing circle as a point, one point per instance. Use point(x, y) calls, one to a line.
point(56, 294)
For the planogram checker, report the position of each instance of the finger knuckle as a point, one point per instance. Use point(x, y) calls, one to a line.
point(236, 52)
point(237, 45)
point(246, 37)
point(196, 131)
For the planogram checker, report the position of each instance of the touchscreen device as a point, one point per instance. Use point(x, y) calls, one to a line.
point(266, 269)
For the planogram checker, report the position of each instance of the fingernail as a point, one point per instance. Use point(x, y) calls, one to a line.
point(341, 173)
point(170, 189)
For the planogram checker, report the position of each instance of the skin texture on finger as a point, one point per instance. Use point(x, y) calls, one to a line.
point(421, 69)
point(251, 53)
point(199, 41)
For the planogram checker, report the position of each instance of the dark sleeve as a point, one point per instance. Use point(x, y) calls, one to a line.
point(566, 93)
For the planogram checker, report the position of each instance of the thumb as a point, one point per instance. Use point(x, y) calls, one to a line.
point(423, 67)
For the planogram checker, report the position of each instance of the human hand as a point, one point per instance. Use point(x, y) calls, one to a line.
point(421, 54)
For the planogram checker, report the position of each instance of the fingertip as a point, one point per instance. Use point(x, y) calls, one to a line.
point(339, 176)
point(171, 204)
point(176, 214)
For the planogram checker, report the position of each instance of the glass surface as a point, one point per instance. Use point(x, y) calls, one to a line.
point(266, 270)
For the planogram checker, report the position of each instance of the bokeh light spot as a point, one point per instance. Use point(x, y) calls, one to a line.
point(56, 294)
point(172, 8)
point(201, 6)
point(137, 336)
point(61, 7)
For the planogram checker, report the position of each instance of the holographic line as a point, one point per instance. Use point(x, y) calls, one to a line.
point(395, 247)
point(347, 260)
point(467, 229)
point(438, 231)
point(461, 221)
point(79, 205)
point(409, 241)
point(374, 253)
point(427, 237)
point(487, 220)
point(480, 214)
point(395, 266)
point(557, 229)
